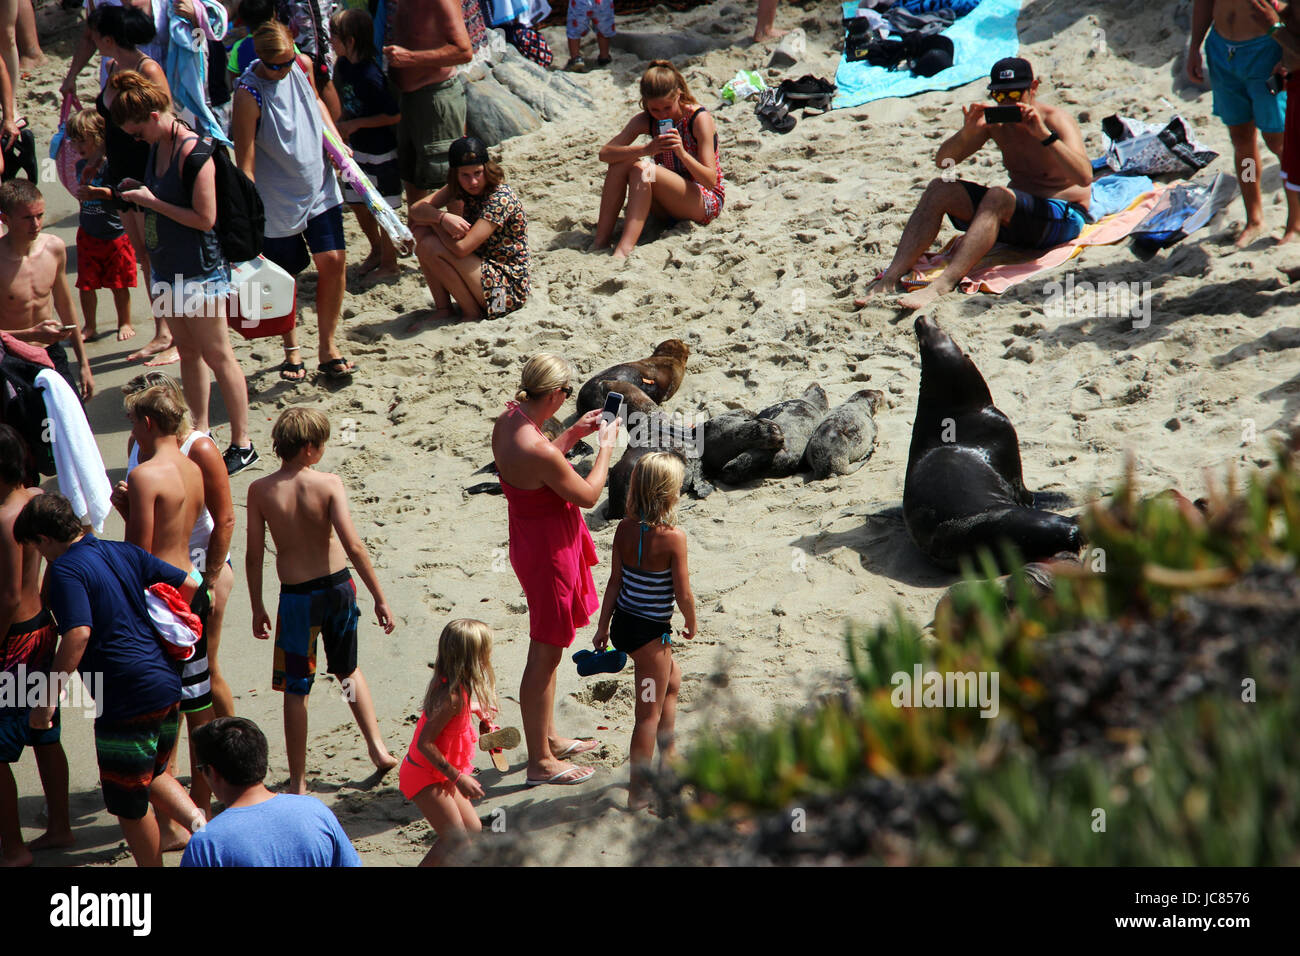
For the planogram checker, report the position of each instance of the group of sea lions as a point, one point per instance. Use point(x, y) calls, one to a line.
point(964, 489)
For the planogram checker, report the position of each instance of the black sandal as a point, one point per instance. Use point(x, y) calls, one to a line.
point(293, 372)
point(336, 369)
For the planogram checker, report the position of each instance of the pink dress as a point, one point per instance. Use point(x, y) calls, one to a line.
point(552, 553)
point(456, 743)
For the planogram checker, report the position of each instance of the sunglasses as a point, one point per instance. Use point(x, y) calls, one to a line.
point(1001, 96)
point(567, 390)
point(279, 67)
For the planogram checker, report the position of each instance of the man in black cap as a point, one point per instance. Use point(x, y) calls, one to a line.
point(1044, 204)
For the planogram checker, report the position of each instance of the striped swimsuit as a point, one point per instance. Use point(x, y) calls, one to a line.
point(644, 607)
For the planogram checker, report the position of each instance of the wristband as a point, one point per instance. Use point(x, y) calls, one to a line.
point(1279, 25)
point(1051, 139)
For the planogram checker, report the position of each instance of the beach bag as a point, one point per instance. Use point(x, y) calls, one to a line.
point(932, 54)
point(1133, 146)
point(241, 218)
point(20, 157)
point(61, 150)
point(807, 93)
point(22, 407)
point(530, 42)
point(1180, 211)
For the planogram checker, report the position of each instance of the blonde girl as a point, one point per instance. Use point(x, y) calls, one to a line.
point(647, 574)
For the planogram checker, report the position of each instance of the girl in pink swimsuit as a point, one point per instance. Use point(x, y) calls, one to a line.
point(436, 772)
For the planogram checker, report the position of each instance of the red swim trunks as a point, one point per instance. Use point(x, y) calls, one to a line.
point(104, 263)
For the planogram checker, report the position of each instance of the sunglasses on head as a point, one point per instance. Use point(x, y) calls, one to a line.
point(1001, 96)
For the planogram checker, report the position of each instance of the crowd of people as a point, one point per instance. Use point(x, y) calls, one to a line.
point(146, 613)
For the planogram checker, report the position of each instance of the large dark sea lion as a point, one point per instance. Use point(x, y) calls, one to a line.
point(659, 376)
point(964, 488)
point(798, 418)
point(739, 446)
point(845, 438)
point(657, 432)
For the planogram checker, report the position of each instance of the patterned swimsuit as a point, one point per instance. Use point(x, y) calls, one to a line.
point(505, 252)
point(712, 197)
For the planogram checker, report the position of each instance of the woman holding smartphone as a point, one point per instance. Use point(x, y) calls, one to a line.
point(684, 181)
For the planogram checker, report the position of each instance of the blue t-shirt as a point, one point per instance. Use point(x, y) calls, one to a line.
point(100, 585)
point(364, 92)
point(98, 218)
point(287, 830)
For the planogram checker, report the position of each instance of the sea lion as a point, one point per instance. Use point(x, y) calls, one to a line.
point(657, 432)
point(846, 437)
point(798, 418)
point(740, 446)
point(659, 376)
point(964, 487)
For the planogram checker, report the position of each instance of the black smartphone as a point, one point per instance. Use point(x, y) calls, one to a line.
point(1002, 114)
point(1275, 84)
point(613, 407)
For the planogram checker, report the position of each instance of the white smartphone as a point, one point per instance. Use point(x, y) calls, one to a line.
point(613, 409)
point(663, 126)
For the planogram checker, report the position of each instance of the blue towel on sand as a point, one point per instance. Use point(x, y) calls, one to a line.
point(1113, 193)
point(980, 39)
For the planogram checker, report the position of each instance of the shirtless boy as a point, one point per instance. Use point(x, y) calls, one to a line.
point(1241, 55)
point(305, 510)
point(432, 97)
point(27, 637)
point(33, 275)
point(162, 501)
point(1044, 204)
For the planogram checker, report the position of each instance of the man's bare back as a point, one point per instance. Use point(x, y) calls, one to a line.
point(29, 598)
point(420, 25)
point(298, 507)
point(1240, 20)
point(169, 487)
point(1033, 168)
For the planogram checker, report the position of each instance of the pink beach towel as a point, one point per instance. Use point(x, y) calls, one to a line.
point(1006, 266)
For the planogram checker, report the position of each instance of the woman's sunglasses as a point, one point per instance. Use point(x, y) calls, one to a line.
point(1001, 96)
point(279, 67)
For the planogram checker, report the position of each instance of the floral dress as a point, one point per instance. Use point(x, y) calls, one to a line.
point(505, 252)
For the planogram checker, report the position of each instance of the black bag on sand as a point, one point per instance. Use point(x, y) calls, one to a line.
point(241, 218)
point(807, 93)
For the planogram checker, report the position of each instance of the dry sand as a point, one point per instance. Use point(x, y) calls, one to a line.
point(777, 566)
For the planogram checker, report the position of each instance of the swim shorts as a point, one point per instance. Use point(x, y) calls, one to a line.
point(433, 117)
point(322, 233)
point(326, 607)
point(104, 263)
point(131, 753)
point(1037, 223)
point(582, 12)
point(1238, 74)
point(31, 644)
point(631, 632)
point(196, 679)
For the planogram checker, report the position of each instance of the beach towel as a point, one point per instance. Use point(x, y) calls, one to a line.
point(1006, 266)
point(980, 39)
point(82, 479)
point(187, 65)
point(1110, 194)
point(178, 627)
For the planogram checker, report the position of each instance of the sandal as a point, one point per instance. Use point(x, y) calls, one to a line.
point(336, 369)
point(772, 112)
point(293, 372)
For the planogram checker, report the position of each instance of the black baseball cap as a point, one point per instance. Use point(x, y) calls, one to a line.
point(1011, 73)
point(467, 151)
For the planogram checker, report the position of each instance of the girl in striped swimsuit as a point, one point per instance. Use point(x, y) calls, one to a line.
point(648, 572)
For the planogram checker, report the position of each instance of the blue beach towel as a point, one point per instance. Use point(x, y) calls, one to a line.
point(980, 39)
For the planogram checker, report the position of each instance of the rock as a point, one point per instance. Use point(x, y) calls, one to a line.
point(494, 114)
point(790, 49)
point(552, 97)
point(660, 46)
point(522, 70)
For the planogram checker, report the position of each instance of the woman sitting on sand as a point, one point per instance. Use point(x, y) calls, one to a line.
point(472, 238)
point(685, 179)
point(550, 548)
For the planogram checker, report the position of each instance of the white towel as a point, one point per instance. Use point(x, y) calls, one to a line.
point(82, 479)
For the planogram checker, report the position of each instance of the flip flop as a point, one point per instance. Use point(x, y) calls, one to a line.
point(599, 662)
point(293, 372)
point(496, 741)
point(580, 746)
point(582, 778)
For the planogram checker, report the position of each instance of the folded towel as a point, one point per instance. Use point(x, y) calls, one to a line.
point(80, 469)
point(179, 627)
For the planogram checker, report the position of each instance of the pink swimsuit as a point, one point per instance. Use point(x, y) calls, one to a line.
point(552, 553)
point(456, 743)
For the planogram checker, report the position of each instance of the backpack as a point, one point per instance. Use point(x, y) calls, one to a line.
point(807, 93)
point(241, 218)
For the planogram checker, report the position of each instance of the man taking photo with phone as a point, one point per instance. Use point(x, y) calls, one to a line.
point(1044, 204)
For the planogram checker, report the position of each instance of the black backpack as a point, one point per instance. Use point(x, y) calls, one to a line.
point(241, 218)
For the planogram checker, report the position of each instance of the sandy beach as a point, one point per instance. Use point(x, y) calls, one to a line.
point(764, 298)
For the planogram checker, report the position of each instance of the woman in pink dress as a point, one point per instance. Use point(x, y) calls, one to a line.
point(550, 548)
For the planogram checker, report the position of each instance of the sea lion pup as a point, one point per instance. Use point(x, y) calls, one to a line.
point(659, 376)
point(964, 487)
point(657, 432)
point(845, 439)
point(740, 446)
point(798, 418)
